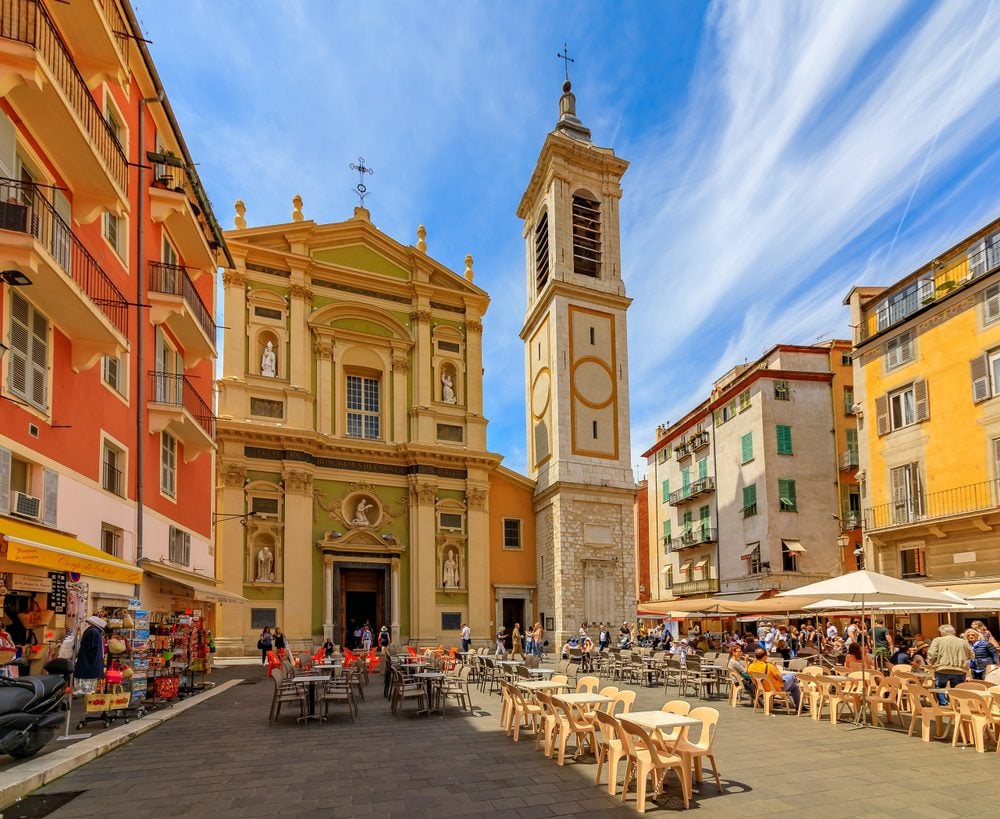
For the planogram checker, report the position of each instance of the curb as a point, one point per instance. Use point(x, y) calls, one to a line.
point(32, 774)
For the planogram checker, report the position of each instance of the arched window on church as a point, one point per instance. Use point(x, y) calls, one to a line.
point(542, 251)
point(586, 235)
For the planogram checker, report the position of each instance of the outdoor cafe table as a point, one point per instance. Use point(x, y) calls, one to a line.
point(428, 677)
point(582, 701)
point(311, 680)
point(541, 685)
point(658, 720)
point(541, 672)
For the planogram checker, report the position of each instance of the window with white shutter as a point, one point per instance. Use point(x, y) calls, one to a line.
point(979, 368)
point(28, 362)
point(899, 350)
point(882, 414)
point(991, 302)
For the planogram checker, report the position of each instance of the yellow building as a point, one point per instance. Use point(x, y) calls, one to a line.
point(927, 377)
point(353, 443)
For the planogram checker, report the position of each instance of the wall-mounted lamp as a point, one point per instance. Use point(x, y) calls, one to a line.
point(15, 278)
point(217, 517)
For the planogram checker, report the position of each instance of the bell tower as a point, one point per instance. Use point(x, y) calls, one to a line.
point(576, 371)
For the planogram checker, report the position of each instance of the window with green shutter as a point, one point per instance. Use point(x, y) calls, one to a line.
point(749, 500)
point(686, 481)
point(705, 520)
point(784, 434)
point(666, 491)
point(746, 445)
point(688, 522)
point(702, 468)
point(786, 495)
point(666, 533)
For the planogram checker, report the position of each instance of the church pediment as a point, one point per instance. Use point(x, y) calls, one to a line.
point(360, 541)
point(361, 257)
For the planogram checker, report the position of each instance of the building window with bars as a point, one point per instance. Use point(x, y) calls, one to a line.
point(586, 236)
point(363, 407)
point(113, 469)
point(511, 533)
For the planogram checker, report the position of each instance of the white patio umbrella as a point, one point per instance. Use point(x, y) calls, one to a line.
point(958, 602)
point(990, 595)
point(870, 589)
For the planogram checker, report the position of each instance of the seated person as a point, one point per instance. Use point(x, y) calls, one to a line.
point(901, 656)
point(856, 661)
point(572, 642)
point(918, 654)
point(786, 682)
point(736, 664)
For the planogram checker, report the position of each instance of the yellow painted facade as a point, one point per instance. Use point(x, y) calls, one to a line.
point(927, 387)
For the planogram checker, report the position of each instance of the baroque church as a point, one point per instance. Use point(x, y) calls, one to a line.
point(354, 482)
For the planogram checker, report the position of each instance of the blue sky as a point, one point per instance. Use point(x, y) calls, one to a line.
point(781, 151)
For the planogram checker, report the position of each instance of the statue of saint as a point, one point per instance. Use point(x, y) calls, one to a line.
point(448, 389)
point(361, 513)
point(268, 362)
point(265, 565)
point(450, 578)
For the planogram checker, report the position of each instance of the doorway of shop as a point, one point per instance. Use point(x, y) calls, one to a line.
point(362, 601)
point(513, 612)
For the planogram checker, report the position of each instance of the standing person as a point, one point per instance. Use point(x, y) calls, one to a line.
point(265, 643)
point(517, 642)
point(852, 632)
point(984, 653)
point(539, 639)
point(280, 643)
point(89, 666)
point(529, 640)
point(781, 643)
point(831, 632)
point(794, 641)
point(984, 632)
point(881, 642)
point(466, 636)
point(603, 637)
point(950, 656)
point(586, 656)
point(366, 637)
point(328, 648)
point(501, 650)
point(383, 637)
point(583, 630)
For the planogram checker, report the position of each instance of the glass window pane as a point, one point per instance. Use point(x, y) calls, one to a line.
point(371, 395)
point(371, 426)
point(353, 392)
point(354, 424)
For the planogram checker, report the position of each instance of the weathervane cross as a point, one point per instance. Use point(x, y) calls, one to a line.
point(564, 56)
point(360, 188)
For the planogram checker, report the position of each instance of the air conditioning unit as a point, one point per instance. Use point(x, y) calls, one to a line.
point(27, 506)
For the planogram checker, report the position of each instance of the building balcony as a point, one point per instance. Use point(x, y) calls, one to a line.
point(698, 441)
point(100, 38)
point(849, 459)
point(175, 301)
point(924, 288)
point(702, 486)
point(41, 81)
point(175, 406)
point(67, 283)
point(928, 507)
point(170, 205)
point(767, 579)
point(708, 585)
point(696, 537)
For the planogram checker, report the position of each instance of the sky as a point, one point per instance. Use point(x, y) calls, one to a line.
point(781, 152)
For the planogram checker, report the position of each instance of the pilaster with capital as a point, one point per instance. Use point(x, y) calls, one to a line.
point(478, 523)
point(298, 553)
point(234, 300)
point(327, 597)
point(300, 305)
point(230, 537)
point(474, 378)
point(400, 394)
point(423, 565)
point(323, 352)
point(420, 319)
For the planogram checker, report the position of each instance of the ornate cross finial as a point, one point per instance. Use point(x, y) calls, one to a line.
point(564, 56)
point(360, 188)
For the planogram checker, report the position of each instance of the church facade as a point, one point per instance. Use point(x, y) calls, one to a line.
point(354, 483)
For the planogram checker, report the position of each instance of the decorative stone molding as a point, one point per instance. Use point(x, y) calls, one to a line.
point(233, 278)
point(233, 476)
point(476, 497)
point(301, 291)
point(298, 482)
point(400, 363)
point(425, 492)
point(420, 316)
point(323, 348)
point(474, 326)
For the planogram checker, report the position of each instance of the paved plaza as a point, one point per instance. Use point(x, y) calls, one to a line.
point(223, 759)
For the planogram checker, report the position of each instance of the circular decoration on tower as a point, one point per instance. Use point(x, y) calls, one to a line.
point(593, 382)
point(540, 393)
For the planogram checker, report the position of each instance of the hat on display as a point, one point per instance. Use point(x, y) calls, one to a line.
point(94, 620)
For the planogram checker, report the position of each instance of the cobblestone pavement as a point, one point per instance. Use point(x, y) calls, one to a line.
point(223, 759)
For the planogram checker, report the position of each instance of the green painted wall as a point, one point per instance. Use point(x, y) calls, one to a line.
point(361, 258)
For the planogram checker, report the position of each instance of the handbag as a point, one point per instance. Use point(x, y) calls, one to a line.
point(35, 615)
point(118, 699)
point(114, 674)
point(116, 645)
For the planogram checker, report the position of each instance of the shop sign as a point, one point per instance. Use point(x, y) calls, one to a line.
point(135, 603)
point(27, 582)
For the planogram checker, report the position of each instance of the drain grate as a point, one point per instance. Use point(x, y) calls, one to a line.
point(39, 805)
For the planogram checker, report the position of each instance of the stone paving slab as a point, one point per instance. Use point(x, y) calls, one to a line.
point(223, 759)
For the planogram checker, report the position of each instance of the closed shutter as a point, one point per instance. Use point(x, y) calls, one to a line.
point(749, 495)
point(688, 520)
point(702, 469)
point(882, 414)
point(784, 435)
point(980, 369)
point(60, 240)
point(991, 303)
point(746, 445)
point(666, 491)
point(50, 488)
point(8, 145)
point(920, 400)
point(39, 359)
point(686, 480)
point(4, 480)
point(666, 531)
point(20, 344)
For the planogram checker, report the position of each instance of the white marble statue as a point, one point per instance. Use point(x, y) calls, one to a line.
point(265, 565)
point(268, 361)
point(361, 513)
point(448, 389)
point(450, 578)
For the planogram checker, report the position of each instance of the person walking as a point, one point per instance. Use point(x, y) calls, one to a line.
point(265, 643)
point(280, 643)
point(466, 637)
point(603, 637)
point(984, 653)
point(950, 656)
point(366, 637)
point(539, 638)
point(501, 650)
point(517, 642)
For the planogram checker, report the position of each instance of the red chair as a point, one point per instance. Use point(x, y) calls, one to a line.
point(373, 661)
point(411, 651)
point(273, 662)
point(349, 656)
point(319, 656)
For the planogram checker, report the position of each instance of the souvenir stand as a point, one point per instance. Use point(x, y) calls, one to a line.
point(120, 692)
point(183, 644)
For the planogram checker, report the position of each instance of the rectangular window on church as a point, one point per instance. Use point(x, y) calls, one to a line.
point(511, 533)
point(363, 406)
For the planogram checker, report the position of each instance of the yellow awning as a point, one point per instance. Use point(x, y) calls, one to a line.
point(201, 588)
point(38, 546)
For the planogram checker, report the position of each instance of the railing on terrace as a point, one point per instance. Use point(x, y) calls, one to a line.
point(119, 28)
point(24, 208)
point(172, 388)
point(708, 586)
point(926, 289)
point(27, 21)
point(174, 280)
point(697, 536)
point(692, 490)
point(914, 508)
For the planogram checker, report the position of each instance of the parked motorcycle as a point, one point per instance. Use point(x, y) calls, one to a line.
point(33, 708)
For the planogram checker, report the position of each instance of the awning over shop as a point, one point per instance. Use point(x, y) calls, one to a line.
point(793, 546)
point(200, 587)
point(38, 546)
point(749, 550)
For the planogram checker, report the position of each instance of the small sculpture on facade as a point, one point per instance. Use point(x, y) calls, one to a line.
point(448, 389)
point(450, 579)
point(265, 565)
point(241, 210)
point(268, 361)
point(361, 513)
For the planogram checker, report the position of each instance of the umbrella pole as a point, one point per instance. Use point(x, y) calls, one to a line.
point(864, 709)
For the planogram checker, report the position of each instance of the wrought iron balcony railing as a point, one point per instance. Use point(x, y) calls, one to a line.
point(697, 536)
point(692, 490)
point(707, 586)
point(172, 388)
point(174, 280)
point(849, 459)
point(910, 508)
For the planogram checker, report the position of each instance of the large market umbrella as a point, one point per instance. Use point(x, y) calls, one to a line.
point(870, 589)
point(689, 605)
point(958, 602)
point(990, 595)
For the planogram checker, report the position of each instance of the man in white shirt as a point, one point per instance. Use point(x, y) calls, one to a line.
point(466, 636)
point(769, 639)
point(831, 631)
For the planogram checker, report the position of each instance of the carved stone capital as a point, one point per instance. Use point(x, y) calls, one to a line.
point(298, 482)
point(400, 364)
point(233, 476)
point(423, 491)
point(474, 326)
point(420, 317)
point(476, 496)
point(323, 349)
point(301, 291)
point(233, 278)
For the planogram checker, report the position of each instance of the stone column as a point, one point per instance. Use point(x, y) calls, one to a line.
point(400, 395)
point(394, 600)
point(234, 284)
point(327, 596)
point(323, 350)
point(423, 571)
point(232, 622)
point(300, 364)
point(299, 551)
point(478, 558)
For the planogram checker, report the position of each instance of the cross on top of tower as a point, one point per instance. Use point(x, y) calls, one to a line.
point(360, 189)
point(564, 56)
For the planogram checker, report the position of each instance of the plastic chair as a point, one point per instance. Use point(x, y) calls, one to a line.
point(767, 693)
point(610, 752)
point(972, 715)
point(273, 662)
point(925, 707)
point(549, 723)
point(644, 759)
point(624, 698)
point(695, 752)
point(523, 712)
point(587, 685)
point(569, 724)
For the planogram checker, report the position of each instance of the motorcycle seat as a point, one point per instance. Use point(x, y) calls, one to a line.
point(15, 698)
point(51, 683)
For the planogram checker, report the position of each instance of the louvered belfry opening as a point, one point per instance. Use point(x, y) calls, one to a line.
point(586, 236)
point(542, 251)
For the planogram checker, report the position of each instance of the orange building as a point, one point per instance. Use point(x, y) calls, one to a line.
point(109, 248)
point(512, 548)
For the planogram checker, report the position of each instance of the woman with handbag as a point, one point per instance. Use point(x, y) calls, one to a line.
point(265, 643)
point(89, 666)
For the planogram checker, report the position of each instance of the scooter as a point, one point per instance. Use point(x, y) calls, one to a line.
point(32, 709)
